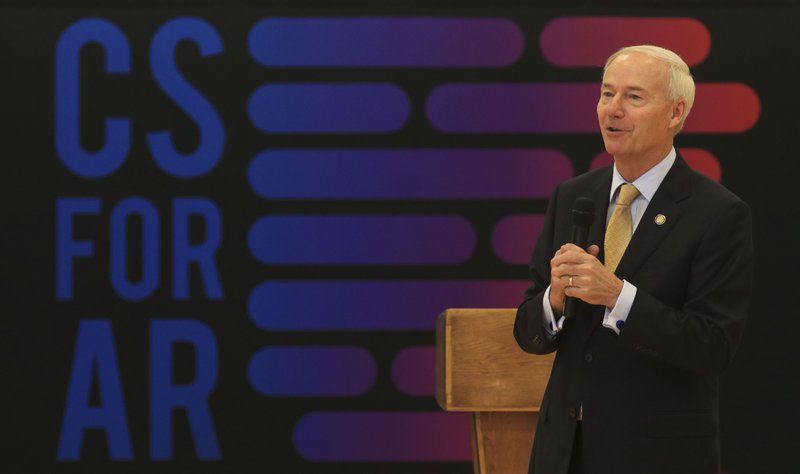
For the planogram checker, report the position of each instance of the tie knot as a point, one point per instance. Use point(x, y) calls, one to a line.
point(627, 193)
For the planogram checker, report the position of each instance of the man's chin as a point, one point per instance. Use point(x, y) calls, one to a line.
point(612, 147)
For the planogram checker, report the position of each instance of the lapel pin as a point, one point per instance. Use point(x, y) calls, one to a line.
point(661, 219)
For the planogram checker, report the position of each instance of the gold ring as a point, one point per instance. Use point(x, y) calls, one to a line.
point(570, 280)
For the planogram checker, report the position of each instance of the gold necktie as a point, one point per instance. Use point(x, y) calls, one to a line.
point(620, 226)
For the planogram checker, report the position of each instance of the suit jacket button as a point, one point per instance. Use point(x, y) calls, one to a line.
point(588, 358)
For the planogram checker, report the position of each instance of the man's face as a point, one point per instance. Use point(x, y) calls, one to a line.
point(636, 119)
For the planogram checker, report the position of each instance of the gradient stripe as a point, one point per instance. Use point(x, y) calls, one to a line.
point(361, 240)
point(514, 108)
point(514, 237)
point(383, 436)
point(571, 108)
point(588, 41)
point(723, 108)
point(700, 160)
point(386, 42)
point(328, 108)
point(408, 174)
point(312, 371)
point(372, 305)
point(414, 371)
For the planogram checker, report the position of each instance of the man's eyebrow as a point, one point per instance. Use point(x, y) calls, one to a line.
point(630, 88)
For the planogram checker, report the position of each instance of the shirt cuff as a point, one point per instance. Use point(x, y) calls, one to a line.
point(550, 325)
point(615, 317)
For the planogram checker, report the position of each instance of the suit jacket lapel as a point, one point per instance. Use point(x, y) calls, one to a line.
point(649, 234)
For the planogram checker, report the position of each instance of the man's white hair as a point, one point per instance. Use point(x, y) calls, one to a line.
point(680, 83)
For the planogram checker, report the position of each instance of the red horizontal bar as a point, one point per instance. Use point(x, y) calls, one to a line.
point(588, 41)
point(723, 107)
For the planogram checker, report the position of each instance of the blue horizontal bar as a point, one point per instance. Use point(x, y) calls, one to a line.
point(328, 108)
point(312, 371)
point(361, 240)
point(408, 174)
point(386, 42)
point(373, 305)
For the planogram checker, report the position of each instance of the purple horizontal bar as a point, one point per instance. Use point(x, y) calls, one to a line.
point(514, 237)
point(414, 371)
point(383, 437)
point(373, 305)
point(408, 174)
point(328, 108)
point(514, 108)
point(386, 42)
point(312, 371)
point(362, 240)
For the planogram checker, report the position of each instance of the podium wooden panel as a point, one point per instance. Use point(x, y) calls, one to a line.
point(481, 369)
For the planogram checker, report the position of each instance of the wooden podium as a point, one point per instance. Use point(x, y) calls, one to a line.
point(481, 369)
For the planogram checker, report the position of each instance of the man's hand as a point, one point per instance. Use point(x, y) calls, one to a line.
point(590, 280)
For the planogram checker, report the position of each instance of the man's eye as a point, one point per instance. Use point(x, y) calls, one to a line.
point(634, 97)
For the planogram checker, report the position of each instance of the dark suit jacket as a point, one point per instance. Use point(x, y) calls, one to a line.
point(649, 394)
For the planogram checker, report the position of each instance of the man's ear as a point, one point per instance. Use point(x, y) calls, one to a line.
point(678, 111)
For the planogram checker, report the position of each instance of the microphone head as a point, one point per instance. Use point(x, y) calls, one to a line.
point(583, 212)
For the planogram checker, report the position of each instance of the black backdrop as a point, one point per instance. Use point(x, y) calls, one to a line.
point(752, 43)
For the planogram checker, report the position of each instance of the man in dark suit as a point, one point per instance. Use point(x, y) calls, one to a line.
point(634, 386)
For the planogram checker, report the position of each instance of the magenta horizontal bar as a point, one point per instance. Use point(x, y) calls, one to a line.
point(434, 42)
point(373, 305)
point(414, 371)
point(515, 236)
point(362, 240)
point(383, 437)
point(408, 174)
point(582, 41)
point(312, 371)
point(571, 108)
point(700, 160)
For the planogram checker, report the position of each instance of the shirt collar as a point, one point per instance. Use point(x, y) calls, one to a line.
point(648, 183)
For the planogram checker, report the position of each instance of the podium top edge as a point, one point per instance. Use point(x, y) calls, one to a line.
point(476, 311)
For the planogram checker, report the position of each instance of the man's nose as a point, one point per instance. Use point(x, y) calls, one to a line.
point(616, 107)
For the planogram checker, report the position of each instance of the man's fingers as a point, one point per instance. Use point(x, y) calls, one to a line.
point(568, 246)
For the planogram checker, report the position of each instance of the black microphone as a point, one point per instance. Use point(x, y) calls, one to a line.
point(582, 218)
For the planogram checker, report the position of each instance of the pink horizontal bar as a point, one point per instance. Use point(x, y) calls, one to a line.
point(383, 437)
point(588, 41)
point(514, 237)
point(414, 371)
point(700, 160)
